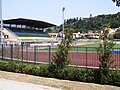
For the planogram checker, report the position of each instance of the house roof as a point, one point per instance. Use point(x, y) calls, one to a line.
point(29, 22)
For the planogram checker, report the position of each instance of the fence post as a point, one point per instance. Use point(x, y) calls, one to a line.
point(27, 52)
point(22, 52)
point(18, 52)
point(49, 56)
point(11, 52)
point(86, 57)
point(77, 57)
point(34, 54)
point(2, 51)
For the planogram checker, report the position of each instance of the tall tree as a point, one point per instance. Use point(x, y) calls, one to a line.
point(117, 2)
point(60, 59)
point(106, 60)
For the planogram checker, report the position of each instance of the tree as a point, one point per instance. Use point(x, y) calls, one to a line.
point(60, 58)
point(94, 23)
point(117, 35)
point(117, 2)
point(106, 61)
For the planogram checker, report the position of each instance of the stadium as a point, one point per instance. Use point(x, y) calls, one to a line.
point(26, 32)
point(26, 40)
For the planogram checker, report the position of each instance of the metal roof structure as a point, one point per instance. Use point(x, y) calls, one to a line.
point(28, 22)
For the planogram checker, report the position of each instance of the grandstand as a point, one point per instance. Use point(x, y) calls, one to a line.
point(26, 31)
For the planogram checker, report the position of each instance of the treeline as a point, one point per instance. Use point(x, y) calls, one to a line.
point(93, 23)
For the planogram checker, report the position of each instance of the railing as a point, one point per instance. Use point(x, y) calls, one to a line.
point(80, 56)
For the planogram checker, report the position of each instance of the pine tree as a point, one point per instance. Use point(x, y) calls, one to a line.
point(106, 61)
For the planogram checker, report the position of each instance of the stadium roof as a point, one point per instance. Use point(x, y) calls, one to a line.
point(29, 22)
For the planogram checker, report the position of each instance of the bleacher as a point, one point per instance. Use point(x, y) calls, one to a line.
point(28, 32)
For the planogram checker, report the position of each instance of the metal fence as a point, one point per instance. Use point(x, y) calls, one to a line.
point(80, 56)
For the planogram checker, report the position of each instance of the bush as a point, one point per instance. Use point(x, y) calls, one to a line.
point(26, 68)
point(68, 73)
point(115, 78)
point(8, 66)
point(11, 66)
point(74, 73)
point(3, 65)
point(116, 35)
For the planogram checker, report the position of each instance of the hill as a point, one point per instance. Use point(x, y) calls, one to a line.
point(93, 23)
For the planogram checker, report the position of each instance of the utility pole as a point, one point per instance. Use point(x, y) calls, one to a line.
point(1, 21)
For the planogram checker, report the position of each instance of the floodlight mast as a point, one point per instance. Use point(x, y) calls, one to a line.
point(1, 21)
point(63, 9)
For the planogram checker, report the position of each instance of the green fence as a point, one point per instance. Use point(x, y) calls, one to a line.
point(80, 56)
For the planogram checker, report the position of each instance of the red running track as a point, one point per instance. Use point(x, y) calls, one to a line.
point(89, 59)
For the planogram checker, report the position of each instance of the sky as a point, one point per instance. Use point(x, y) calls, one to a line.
point(51, 10)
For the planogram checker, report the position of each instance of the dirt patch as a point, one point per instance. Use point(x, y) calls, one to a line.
point(63, 84)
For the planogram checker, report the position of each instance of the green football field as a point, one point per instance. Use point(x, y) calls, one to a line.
point(83, 48)
point(90, 47)
point(96, 45)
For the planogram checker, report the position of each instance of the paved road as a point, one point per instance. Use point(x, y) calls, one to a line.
point(15, 85)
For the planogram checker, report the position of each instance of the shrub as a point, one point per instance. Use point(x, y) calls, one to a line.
point(11, 66)
point(43, 70)
point(21, 67)
point(67, 73)
point(115, 78)
point(8, 66)
point(116, 35)
point(3, 65)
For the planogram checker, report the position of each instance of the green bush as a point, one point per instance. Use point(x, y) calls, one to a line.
point(21, 68)
point(116, 35)
point(68, 73)
point(74, 73)
point(115, 78)
point(26, 68)
point(97, 76)
point(3, 65)
point(11, 66)
point(8, 66)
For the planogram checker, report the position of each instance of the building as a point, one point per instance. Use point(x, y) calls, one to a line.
point(25, 31)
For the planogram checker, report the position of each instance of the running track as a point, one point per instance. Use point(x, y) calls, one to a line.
point(89, 59)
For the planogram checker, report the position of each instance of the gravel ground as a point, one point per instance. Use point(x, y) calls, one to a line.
point(51, 82)
point(15, 85)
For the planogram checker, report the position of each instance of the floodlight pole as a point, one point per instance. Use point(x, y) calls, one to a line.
point(1, 21)
point(63, 9)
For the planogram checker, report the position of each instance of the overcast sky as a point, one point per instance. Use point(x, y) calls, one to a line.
point(51, 10)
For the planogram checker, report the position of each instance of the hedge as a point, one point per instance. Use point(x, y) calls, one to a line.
point(26, 68)
point(68, 73)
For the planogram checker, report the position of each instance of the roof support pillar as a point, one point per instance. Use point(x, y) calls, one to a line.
point(1, 21)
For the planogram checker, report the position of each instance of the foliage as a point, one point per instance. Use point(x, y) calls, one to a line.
point(115, 78)
point(117, 2)
point(67, 73)
point(105, 54)
point(60, 58)
point(27, 68)
point(117, 35)
point(93, 23)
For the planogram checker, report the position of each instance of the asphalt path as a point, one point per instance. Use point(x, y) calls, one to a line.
point(15, 85)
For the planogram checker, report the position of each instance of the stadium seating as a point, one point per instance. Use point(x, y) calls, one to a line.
point(28, 32)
